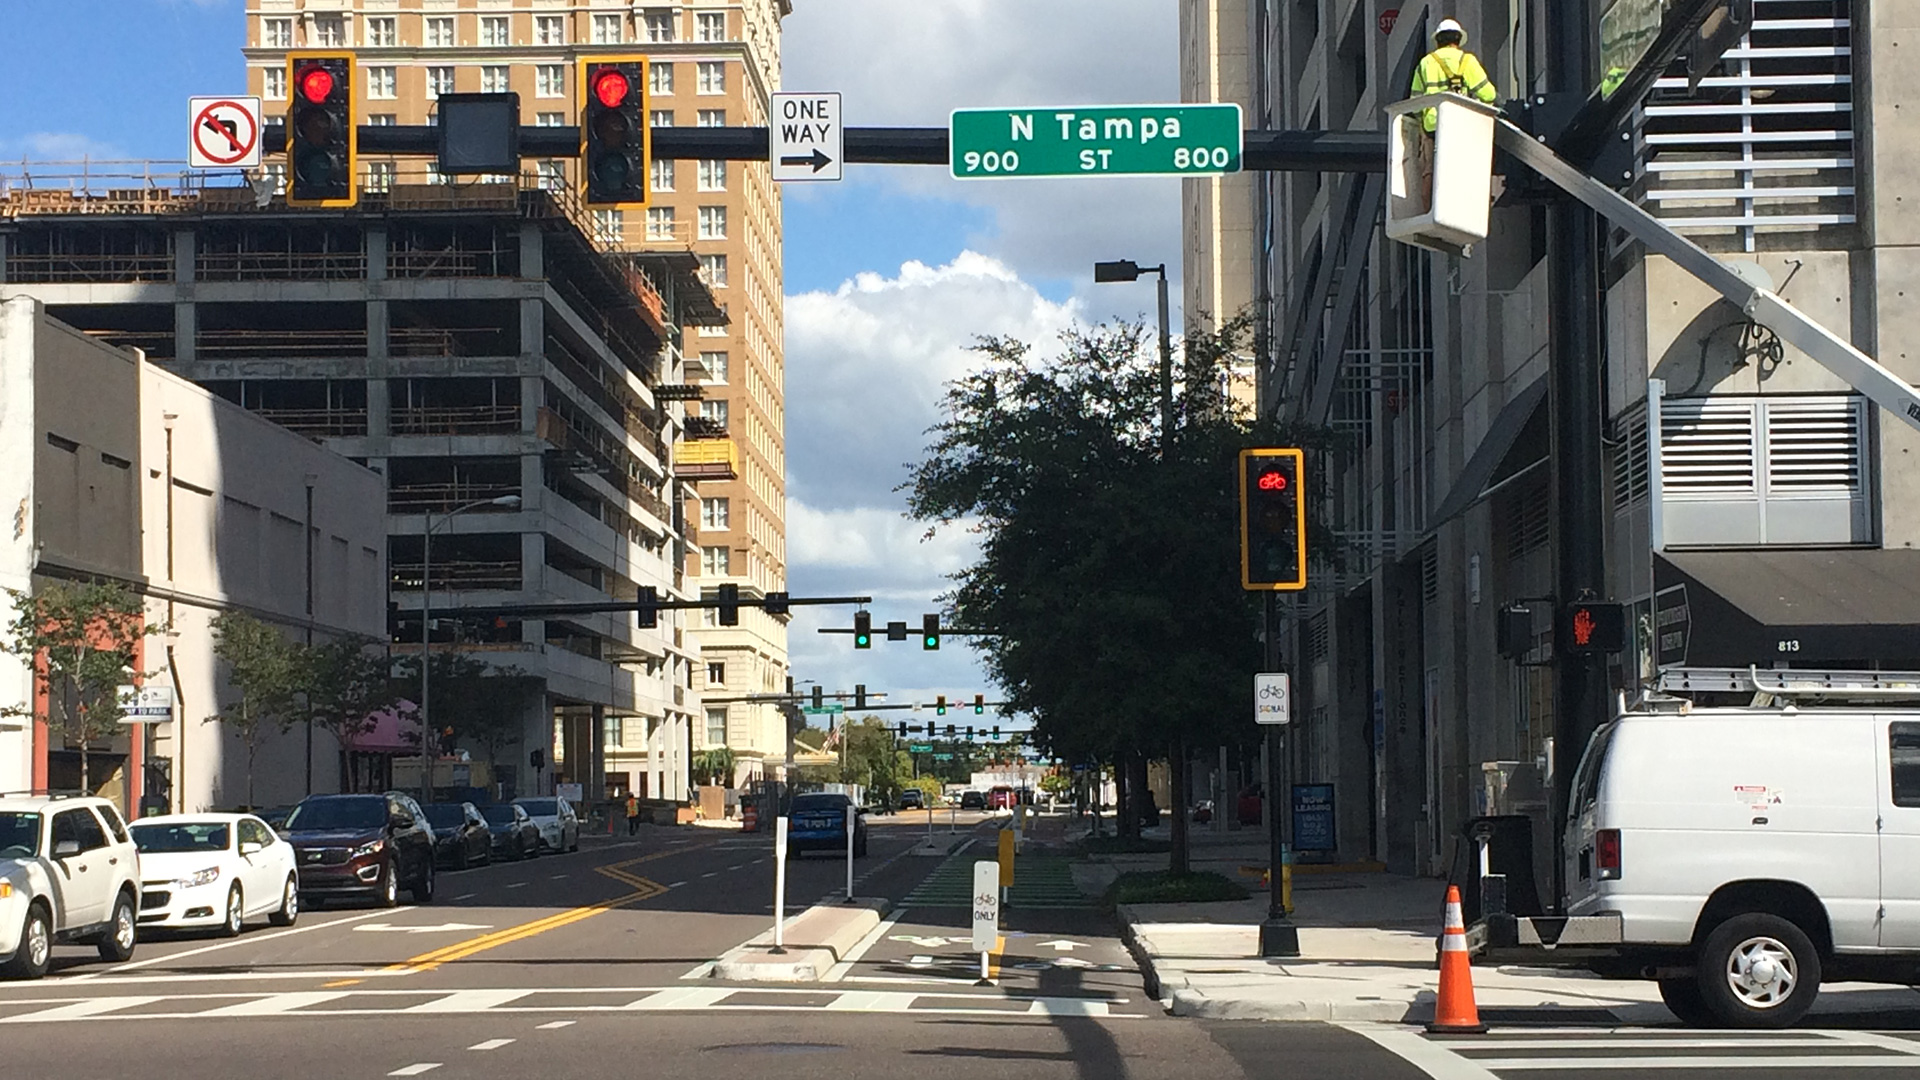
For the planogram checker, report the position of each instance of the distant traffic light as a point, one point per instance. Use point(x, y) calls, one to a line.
point(949, 731)
point(862, 630)
point(996, 731)
point(648, 614)
point(859, 695)
point(321, 137)
point(729, 604)
point(903, 729)
point(819, 696)
point(930, 632)
point(778, 603)
point(979, 704)
point(940, 705)
point(1273, 521)
point(614, 130)
point(969, 732)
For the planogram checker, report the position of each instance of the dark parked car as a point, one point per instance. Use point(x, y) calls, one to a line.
point(514, 834)
point(460, 835)
point(973, 800)
point(274, 816)
point(913, 799)
point(363, 847)
point(819, 821)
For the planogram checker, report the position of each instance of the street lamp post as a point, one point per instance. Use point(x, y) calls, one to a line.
point(508, 502)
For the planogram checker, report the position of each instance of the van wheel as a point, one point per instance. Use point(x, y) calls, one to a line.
point(1682, 999)
point(1758, 971)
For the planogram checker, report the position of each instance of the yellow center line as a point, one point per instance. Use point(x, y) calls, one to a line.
point(340, 982)
point(644, 889)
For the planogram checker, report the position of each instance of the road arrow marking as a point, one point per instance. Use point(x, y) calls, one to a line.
point(926, 942)
point(1063, 945)
point(385, 928)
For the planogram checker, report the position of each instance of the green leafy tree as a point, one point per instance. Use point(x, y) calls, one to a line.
point(80, 640)
point(713, 767)
point(471, 699)
point(1109, 563)
point(268, 672)
point(348, 679)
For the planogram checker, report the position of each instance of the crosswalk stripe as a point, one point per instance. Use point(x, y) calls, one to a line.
point(468, 1001)
point(1702, 1062)
point(80, 1010)
point(277, 1003)
point(1490, 1057)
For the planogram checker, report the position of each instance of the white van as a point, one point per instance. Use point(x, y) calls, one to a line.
point(1741, 856)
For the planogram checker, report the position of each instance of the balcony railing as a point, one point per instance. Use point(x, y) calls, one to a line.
point(318, 422)
point(439, 498)
point(706, 459)
point(457, 420)
point(456, 574)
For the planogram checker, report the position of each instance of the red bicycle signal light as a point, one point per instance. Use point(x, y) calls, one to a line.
point(1273, 481)
point(1273, 520)
point(316, 84)
point(611, 88)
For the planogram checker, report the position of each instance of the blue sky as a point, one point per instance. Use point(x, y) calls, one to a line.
point(890, 273)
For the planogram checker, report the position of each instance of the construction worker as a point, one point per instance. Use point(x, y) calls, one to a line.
point(1449, 68)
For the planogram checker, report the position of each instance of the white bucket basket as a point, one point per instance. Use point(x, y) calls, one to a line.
point(1452, 216)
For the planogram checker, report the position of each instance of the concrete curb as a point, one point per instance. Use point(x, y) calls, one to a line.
point(1196, 1004)
point(1141, 957)
point(812, 955)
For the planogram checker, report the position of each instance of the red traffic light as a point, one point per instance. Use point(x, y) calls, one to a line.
point(1273, 481)
point(316, 84)
point(610, 87)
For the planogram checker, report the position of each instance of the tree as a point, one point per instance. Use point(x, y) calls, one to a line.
point(872, 757)
point(80, 641)
point(1109, 553)
point(348, 678)
point(268, 672)
point(713, 767)
point(476, 701)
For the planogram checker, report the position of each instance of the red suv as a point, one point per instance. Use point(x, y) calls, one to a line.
point(362, 847)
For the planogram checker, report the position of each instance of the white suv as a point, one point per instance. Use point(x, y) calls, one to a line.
point(68, 872)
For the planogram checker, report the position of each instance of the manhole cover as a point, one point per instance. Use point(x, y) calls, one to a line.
point(773, 1048)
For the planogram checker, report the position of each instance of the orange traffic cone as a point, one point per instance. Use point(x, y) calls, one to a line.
point(1454, 1012)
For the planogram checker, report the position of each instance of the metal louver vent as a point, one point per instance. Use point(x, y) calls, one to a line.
point(1814, 445)
point(1318, 639)
point(1631, 482)
point(1707, 447)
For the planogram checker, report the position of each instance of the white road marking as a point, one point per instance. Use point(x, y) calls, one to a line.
point(305, 974)
point(555, 1025)
point(683, 997)
point(491, 1044)
point(464, 1001)
point(384, 928)
point(276, 1003)
point(1431, 1058)
point(516, 884)
point(839, 971)
point(243, 940)
point(1785, 1063)
point(465, 896)
point(923, 961)
point(416, 1070)
point(737, 866)
point(677, 884)
point(559, 877)
point(80, 1010)
point(870, 1001)
point(711, 873)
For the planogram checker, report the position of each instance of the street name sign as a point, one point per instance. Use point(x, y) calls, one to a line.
point(224, 132)
point(824, 710)
point(806, 140)
point(1272, 699)
point(1108, 140)
point(920, 748)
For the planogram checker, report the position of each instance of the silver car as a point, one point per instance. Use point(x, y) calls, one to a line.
point(555, 818)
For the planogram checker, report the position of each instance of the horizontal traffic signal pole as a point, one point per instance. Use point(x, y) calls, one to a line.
point(1264, 151)
point(945, 631)
point(602, 607)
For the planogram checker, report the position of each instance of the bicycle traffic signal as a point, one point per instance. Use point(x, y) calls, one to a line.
point(615, 136)
point(1273, 521)
point(930, 632)
point(321, 137)
point(862, 630)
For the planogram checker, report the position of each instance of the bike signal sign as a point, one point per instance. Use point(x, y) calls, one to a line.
point(1272, 699)
point(225, 132)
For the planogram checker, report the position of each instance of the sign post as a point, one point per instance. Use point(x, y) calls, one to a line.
point(806, 140)
point(779, 885)
point(223, 132)
point(1273, 711)
point(986, 915)
point(1125, 140)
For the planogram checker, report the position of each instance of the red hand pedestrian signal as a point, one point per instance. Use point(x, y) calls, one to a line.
point(1583, 627)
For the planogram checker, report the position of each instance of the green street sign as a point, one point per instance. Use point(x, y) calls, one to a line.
point(1123, 140)
point(943, 757)
point(920, 748)
point(824, 710)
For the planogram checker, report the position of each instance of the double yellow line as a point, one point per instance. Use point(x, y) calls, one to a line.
point(643, 889)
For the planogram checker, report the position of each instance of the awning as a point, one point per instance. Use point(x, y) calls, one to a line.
point(1478, 479)
point(1834, 608)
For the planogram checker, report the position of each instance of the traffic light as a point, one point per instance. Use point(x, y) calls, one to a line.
point(903, 729)
point(859, 695)
point(930, 632)
point(729, 597)
point(949, 731)
point(1591, 627)
point(979, 704)
point(778, 603)
point(819, 696)
point(940, 705)
point(996, 731)
point(862, 630)
point(969, 732)
point(1273, 521)
point(614, 130)
point(321, 137)
point(648, 613)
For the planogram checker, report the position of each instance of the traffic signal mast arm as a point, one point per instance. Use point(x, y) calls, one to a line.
point(601, 607)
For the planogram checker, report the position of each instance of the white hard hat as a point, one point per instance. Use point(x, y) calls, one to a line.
point(1452, 25)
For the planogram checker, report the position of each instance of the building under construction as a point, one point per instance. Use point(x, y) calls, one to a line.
point(468, 342)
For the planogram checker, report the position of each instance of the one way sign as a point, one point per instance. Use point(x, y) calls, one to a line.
point(807, 140)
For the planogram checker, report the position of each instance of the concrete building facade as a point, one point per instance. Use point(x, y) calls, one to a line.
point(712, 63)
point(119, 471)
point(1760, 509)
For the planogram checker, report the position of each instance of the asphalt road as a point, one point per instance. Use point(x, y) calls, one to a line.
point(597, 963)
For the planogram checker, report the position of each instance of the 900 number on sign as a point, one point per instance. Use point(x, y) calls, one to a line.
point(1202, 158)
point(992, 161)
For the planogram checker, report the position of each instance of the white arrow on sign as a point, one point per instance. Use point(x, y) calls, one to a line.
point(386, 928)
point(1063, 945)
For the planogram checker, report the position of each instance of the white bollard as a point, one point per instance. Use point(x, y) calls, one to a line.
point(853, 823)
point(780, 884)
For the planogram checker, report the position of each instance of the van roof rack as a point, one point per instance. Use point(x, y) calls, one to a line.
point(1792, 682)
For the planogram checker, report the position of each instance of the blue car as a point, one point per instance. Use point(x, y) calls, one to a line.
point(818, 821)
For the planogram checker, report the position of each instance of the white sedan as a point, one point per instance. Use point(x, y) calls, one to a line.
point(214, 871)
point(555, 818)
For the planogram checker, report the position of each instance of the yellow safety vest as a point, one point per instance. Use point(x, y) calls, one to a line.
point(1451, 69)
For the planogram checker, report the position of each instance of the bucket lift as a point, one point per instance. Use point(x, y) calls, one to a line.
point(1448, 210)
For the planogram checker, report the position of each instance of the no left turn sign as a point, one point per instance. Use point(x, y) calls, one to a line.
point(225, 132)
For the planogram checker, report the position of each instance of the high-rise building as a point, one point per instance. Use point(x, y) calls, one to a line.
point(712, 63)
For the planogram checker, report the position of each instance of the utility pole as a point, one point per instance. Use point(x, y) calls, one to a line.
point(1578, 411)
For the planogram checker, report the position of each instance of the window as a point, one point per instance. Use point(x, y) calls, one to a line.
point(715, 411)
point(550, 29)
point(549, 119)
point(716, 365)
point(713, 331)
point(493, 79)
point(713, 223)
point(662, 178)
point(716, 561)
point(381, 119)
point(614, 728)
point(609, 225)
point(714, 268)
point(550, 80)
point(329, 31)
point(659, 222)
point(712, 118)
point(81, 827)
point(713, 176)
point(276, 33)
point(716, 673)
point(1904, 745)
point(659, 25)
point(493, 30)
point(715, 514)
point(439, 81)
point(381, 33)
point(380, 175)
point(660, 78)
point(274, 86)
point(553, 175)
point(660, 118)
point(716, 727)
point(277, 172)
point(710, 26)
point(440, 31)
point(380, 84)
point(712, 76)
point(606, 29)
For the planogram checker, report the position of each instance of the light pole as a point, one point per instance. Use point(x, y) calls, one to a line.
point(1127, 270)
point(508, 502)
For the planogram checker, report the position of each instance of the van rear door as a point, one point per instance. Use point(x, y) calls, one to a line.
point(1577, 873)
point(1899, 754)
